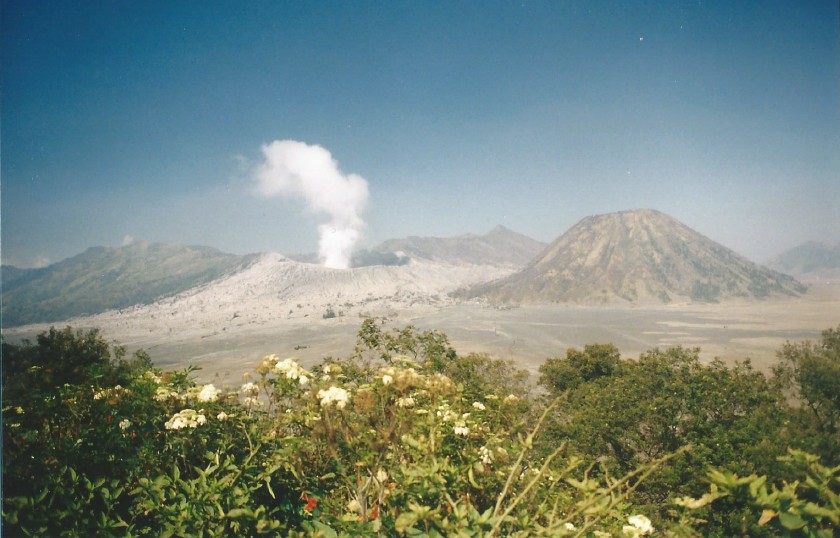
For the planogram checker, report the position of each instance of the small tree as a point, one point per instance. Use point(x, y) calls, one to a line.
point(559, 374)
point(57, 358)
point(811, 373)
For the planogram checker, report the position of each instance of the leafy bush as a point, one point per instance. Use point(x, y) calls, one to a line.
point(402, 438)
point(808, 506)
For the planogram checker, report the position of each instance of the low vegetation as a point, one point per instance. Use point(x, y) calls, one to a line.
point(404, 437)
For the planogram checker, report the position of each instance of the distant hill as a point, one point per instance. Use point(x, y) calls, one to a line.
point(103, 278)
point(500, 246)
point(641, 256)
point(809, 261)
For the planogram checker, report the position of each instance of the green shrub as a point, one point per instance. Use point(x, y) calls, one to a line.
point(402, 438)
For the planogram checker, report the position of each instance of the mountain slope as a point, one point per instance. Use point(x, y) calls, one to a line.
point(103, 278)
point(636, 256)
point(12, 274)
point(810, 261)
point(501, 247)
point(277, 287)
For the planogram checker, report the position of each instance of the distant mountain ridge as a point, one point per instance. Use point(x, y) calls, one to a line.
point(811, 261)
point(107, 278)
point(632, 256)
point(103, 278)
point(640, 256)
point(500, 246)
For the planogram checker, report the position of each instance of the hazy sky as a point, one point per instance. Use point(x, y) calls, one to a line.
point(150, 120)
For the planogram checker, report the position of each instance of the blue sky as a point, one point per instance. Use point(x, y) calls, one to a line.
point(146, 119)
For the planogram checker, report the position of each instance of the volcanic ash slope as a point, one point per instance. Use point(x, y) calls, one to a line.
point(275, 288)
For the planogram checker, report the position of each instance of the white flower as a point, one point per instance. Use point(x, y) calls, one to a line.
point(187, 418)
point(251, 401)
point(353, 506)
point(568, 526)
point(222, 415)
point(125, 424)
point(208, 393)
point(303, 380)
point(387, 379)
point(511, 399)
point(461, 429)
point(485, 455)
point(381, 476)
point(335, 395)
point(406, 402)
point(639, 526)
point(290, 369)
point(164, 393)
point(249, 389)
point(444, 413)
point(478, 405)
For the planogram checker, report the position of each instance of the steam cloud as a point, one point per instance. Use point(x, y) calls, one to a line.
point(295, 169)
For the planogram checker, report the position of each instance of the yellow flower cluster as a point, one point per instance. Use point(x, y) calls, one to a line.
point(164, 393)
point(150, 375)
point(111, 393)
point(408, 378)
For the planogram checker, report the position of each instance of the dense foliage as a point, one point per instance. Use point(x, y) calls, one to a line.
point(404, 437)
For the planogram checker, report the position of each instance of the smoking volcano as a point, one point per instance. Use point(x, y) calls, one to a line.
point(307, 172)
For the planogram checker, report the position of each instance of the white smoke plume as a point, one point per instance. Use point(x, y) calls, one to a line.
point(295, 169)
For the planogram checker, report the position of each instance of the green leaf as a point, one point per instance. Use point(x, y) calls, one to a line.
point(757, 485)
point(326, 530)
point(405, 520)
point(239, 512)
point(791, 521)
point(815, 510)
point(268, 485)
point(471, 478)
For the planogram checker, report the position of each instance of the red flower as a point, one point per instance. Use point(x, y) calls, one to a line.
point(375, 512)
point(311, 503)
